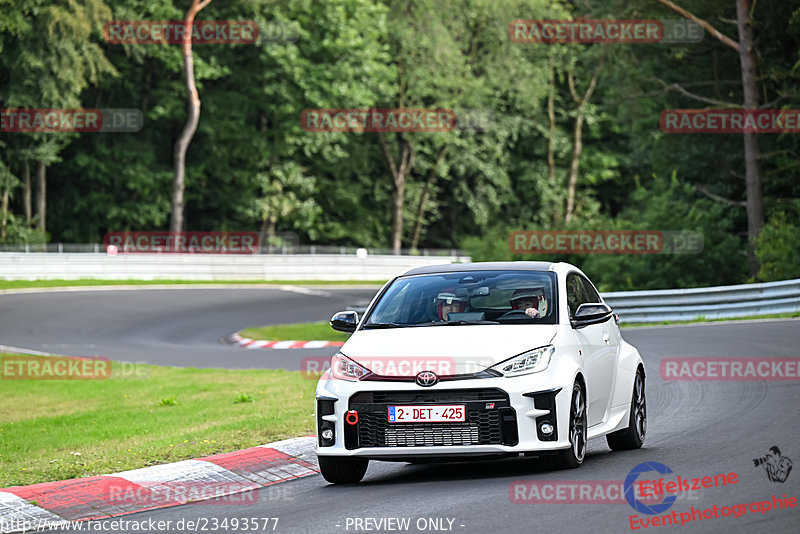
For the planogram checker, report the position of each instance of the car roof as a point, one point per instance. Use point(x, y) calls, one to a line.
point(483, 266)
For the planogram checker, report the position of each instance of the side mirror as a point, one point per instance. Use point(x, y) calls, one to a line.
point(345, 321)
point(593, 313)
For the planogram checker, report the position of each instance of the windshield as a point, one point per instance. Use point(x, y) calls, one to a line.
point(475, 297)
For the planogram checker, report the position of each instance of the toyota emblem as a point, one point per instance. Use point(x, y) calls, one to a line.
point(426, 378)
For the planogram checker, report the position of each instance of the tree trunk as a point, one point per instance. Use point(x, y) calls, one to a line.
point(26, 192)
point(755, 201)
point(423, 199)
point(4, 211)
point(551, 156)
point(577, 150)
point(551, 114)
point(400, 174)
point(263, 236)
point(182, 145)
point(398, 198)
point(41, 196)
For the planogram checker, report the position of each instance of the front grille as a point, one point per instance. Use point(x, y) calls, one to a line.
point(422, 397)
point(483, 426)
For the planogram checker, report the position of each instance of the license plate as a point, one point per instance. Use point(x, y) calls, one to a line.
point(443, 413)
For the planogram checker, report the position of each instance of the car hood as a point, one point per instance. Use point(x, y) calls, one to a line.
point(443, 349)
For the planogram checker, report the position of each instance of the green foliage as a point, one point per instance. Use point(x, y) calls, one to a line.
point(670, 205)
point(252, 167)
point(19, 233)
point(660, 205)
point(778, 246)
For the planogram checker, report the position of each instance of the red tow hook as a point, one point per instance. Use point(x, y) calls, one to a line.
point(351, 417)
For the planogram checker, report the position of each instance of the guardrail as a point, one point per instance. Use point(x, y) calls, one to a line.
point(75, 266)
point(723, 302)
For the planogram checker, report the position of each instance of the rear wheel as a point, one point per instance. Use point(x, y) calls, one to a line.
point(338, 470)
point(633, 436)
point(573, 457)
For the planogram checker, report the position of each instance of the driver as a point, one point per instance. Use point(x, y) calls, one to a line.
point(530, 301)
point(448, 302)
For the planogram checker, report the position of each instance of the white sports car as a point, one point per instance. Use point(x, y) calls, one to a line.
point(481, 359)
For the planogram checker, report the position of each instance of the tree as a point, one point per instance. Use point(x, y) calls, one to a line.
point(457, 55)
point(577, 148)
point(49, 53)
point(778, 245)
point(746, 50)
point(7, 184)
point(182, 144)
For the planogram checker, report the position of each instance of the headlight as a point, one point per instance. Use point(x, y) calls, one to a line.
point(532, 361)
point(343, 368)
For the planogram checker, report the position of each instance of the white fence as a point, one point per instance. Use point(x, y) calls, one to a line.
point(74, 266)
point(722, 302)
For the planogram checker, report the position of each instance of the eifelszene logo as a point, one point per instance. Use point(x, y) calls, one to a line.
point(777, 467)
point(638, 505)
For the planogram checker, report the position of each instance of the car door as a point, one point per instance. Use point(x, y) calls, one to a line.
point(599, 344)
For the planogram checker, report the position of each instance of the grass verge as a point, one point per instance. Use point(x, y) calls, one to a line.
point(144, 415)
point(297, 332)
point(24, 284)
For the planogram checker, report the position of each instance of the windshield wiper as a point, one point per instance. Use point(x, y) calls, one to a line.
point(370, 326)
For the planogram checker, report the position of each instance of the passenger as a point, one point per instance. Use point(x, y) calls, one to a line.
point(531, 301)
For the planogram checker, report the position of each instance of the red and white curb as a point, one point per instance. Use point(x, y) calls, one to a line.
point(205, 479)
point(246, 342)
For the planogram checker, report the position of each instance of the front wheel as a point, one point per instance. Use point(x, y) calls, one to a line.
point(633, 436)
point(573, 457)
point(339, 470)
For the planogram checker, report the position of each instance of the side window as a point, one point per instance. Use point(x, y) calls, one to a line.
point(575, 293)
point(589, 291)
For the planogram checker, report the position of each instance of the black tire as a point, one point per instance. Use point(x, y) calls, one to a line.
point(573, 457)
point(633, 436)
point(338, 470)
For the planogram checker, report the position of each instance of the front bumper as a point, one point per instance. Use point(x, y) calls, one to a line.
point(503, 416)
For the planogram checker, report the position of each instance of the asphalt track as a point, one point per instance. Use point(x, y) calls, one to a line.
point(696, 428)
point(180, 327)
